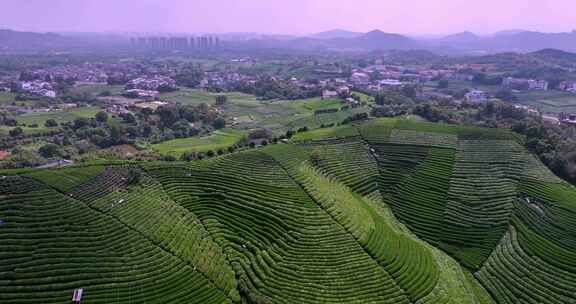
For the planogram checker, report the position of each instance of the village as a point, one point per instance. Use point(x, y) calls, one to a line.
point(37, 103)
point(142, 84)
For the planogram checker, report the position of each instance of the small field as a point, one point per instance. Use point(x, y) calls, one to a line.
point(6, 97)
point(97, 89)
point(4, 130)
point(363, 97)
point(550, 101)
point(458, 85)
point(196, 97)
point(60, 117)
point(281, 115)
point(218, 140)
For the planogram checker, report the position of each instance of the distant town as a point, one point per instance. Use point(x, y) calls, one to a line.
point(148, 81)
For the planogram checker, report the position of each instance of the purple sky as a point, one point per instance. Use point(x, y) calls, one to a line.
point(288, 16)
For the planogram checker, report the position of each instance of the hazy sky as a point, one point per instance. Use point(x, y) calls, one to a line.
point(288, 16)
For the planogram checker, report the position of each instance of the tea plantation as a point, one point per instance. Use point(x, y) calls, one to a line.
point(388, 211)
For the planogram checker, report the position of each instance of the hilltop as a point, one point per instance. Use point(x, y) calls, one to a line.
point(388, 211)
point(337, 33)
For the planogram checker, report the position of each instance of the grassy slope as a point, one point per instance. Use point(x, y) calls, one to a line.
point(4, 130)
point(65, 179)
point(95, 90)
point(63, 116)
point(218, 140)
point(550, 101)
point(6, 97)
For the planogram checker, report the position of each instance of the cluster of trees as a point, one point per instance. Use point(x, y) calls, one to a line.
point(394, 103)
point(270, 88)
point(180, 118)
point(7, 120)
point(84, 135)
point(485, 79)
point(554, 144)
point(393, 98)
point(98, 130)
point(189, 76)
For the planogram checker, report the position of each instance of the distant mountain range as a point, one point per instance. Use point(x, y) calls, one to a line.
point(459, 43)
point(333, 34)
point(510, 41)
point(464, 37)
point(28, 40)
point(17, 40)
point(464, 43)
point(340, 40)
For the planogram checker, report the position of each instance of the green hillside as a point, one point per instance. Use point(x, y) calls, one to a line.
point(389, 211)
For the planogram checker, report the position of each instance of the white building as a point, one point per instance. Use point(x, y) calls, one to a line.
point(525, 84)
point(343, 90)
point(137, 93)
point(476, 96)
point(569, 86)
point(390, 83)
point(360, 78)
point(40, 88)
point(153, 83)
point(329, 94)
point(538, 85)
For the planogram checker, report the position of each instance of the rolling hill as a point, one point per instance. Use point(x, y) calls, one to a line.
point(337, 33)
point(379, 40)
point(28, 40)
point(389, 211)
point(32, 41)
point(510, 41)
point(463, 37)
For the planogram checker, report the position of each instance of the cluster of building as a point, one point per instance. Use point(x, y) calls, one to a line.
point(523, 84)
point(5, 87)
point(567, 118)
point(119, 105)
point(569, 86)
point(422, 73)
point(225, 80)
point(87, 73)
point(38, 88)
point(339, 91)
point(395, 77)
point(177, 43)
point(153, 83)
point(149, 86)
point(475, 96)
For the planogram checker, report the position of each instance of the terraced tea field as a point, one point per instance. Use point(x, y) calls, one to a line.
point(389, 211)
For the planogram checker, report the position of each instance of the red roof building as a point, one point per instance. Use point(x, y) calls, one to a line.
point(4, 154)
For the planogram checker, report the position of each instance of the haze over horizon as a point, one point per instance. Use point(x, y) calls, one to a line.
point(287, 17)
